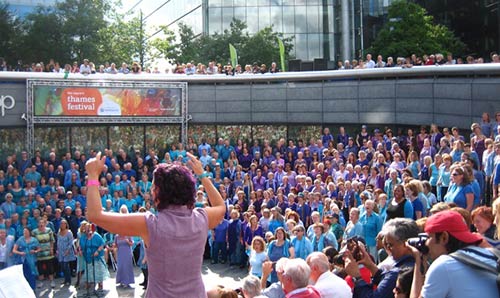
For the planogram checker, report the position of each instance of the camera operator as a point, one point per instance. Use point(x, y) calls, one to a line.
point(396, 231)
point(447, 276)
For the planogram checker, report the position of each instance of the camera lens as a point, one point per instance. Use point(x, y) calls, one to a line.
point(419, 243)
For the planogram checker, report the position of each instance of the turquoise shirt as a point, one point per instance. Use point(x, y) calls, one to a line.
point(445, 176)
point(302, 247)
point(457, 194)
point(414, 169)
point(371, 227)
point(434, 175)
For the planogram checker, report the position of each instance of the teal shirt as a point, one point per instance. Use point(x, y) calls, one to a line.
point(302, 247)
point(434, 175)
point(371, 227)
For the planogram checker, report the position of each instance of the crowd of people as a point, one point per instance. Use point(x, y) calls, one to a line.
point(213, 67)
point(326, 217)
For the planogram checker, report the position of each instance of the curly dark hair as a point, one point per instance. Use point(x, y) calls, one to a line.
point(175, 186)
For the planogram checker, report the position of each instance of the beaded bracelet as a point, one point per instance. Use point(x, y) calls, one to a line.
point(203, 175)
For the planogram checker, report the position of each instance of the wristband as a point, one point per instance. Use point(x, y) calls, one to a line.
point(203, 175)
point(93, 182)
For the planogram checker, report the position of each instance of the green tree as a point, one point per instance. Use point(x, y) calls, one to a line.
point(10, 30)
point(410, 30)
point(183, 50)
point(122, 41)
point(261, 47)
point(42, 39)
point(82, 21)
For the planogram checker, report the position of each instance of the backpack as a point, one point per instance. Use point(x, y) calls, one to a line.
point(466, 259)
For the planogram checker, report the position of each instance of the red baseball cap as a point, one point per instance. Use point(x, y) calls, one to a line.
point(453, 223)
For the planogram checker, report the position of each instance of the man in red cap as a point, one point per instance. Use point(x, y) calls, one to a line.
point(448, 235)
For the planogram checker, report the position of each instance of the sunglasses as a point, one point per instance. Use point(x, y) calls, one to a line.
point(455, 174)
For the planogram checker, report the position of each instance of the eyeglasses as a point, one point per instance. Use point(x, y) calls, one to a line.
point(455, 174)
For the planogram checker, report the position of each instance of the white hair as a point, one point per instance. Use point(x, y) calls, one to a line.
point(298, 271)
point(251, 286)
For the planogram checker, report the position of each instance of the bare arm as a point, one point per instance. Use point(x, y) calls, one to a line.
point(267, 268)
point(291, 250)
point(470, 201)
point(16, 251)
point(123, 224)
point(218, 209)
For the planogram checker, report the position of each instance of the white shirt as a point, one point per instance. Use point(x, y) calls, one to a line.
point(85, 69)
point(330, 285)
point(370, 64)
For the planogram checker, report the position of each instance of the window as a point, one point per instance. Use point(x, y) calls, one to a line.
point(288, 19)
point(264, 17)
point(214, 20)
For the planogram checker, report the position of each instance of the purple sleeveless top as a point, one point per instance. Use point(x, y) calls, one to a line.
point(177, 237)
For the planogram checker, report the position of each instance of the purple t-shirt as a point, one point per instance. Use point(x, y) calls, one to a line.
point(177, 237)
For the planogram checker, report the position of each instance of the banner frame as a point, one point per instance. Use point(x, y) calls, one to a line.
point(32, 120)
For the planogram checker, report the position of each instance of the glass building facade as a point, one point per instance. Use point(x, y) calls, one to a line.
point(309, 22)
point(315, 25)
point(171, 13)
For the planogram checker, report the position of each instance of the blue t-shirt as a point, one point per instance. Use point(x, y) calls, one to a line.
point(450, 278)
point(457, 194)
point(445, 176)
point(414, 169)
point(434, 175)
point(417, 206)
point(256, 259)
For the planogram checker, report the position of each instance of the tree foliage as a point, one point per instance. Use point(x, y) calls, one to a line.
point(261, 47)
point(410, 30)
point(43, 37)
point(76, 29)
point(10, 29)
point(123, 41)
point(82, 21)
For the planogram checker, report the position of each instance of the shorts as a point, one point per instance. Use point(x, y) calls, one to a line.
point(45, 267)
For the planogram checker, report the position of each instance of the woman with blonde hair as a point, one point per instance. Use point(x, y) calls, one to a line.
point(65, 252)
point(444, 176)
point(412, 190)
point(252, 230)
point(258, 256)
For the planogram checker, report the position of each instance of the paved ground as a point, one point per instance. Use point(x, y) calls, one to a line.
point(213, 275)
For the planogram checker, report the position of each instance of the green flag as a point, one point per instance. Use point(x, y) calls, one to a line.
point(234, 55)
point(282, 54)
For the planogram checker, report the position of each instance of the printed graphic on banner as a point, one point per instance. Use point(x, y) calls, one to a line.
point(107, 101)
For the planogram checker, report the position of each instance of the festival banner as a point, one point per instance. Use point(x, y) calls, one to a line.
point(107, 101)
